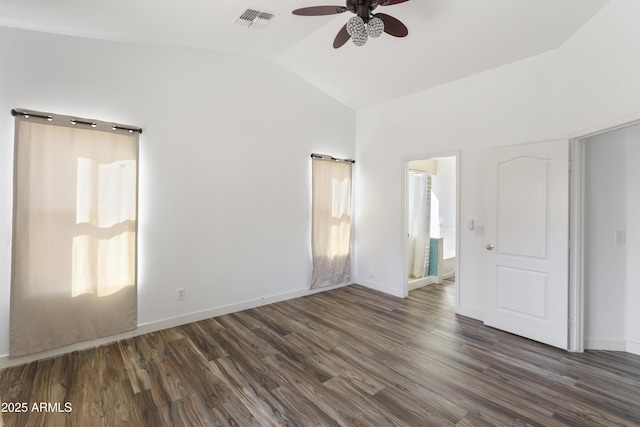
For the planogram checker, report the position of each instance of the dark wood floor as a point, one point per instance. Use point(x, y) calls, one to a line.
point(350, 357)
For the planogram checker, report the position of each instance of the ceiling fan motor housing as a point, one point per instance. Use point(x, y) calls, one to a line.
point(362, 8)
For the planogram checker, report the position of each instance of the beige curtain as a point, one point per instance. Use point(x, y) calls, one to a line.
point(331, 222)
point(74, 235)
point(419, 213)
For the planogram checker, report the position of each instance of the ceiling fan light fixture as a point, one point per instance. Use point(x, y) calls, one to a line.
point(375, 27)
point(356, 28)
point(355, 25)
point(360, 39)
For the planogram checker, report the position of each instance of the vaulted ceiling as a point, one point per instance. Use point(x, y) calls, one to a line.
point(448, 39)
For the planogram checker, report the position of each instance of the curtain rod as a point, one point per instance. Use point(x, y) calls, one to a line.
point(327, 157)
point(74, 121)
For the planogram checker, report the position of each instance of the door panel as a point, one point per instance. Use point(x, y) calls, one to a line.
point(527, 230)
point(528, 297)
point(522, 183)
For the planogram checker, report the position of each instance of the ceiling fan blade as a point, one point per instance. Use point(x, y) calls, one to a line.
point(390, 2)
point(392, 26)
point(319, 10)
point(341, 38)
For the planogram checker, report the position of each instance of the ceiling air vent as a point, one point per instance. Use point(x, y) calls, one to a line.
point(251, 17)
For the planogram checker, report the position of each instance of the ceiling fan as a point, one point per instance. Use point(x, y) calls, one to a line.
point(362, 26)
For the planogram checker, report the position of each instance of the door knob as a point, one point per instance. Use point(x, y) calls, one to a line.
point(488, 247)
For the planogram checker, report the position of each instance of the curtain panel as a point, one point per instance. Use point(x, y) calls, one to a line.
point(331, 222)
point(74, 235)
point(419, 213)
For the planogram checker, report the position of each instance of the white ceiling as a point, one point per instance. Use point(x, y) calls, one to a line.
point(448, 39)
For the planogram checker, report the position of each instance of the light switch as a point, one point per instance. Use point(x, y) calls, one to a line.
point(620, 236)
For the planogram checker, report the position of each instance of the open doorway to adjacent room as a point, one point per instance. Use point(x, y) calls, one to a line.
point(430, 220)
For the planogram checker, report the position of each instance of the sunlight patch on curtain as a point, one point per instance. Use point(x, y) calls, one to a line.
point(105, 198)
point(419, 219)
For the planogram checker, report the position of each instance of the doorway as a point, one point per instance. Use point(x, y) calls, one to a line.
point(430, 206)
point(606, 240)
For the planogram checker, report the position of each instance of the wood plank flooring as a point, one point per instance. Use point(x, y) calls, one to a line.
point(348, 357)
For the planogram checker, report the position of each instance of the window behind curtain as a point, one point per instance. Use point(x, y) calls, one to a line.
point(331, 222)
point(74, 235)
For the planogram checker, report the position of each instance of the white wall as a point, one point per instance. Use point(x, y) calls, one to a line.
point(604, 260)
point(224, 162)
point(591, 80)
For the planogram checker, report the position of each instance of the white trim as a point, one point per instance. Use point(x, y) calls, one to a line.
point(605, 344)
point(457, 307)
point(380, 287)
point(633, 347)
point(576, 233)
point(404, 215)
point(423, 281)
point(608, 126)
point(171, 322)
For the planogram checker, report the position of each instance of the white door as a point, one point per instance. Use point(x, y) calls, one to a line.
point(527, 247)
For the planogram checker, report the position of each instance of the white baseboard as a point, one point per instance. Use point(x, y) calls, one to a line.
point(424, 281)
point(633, 347)
point(159, 325)
point(449, 275)
point(380, 287)
point(605, 344)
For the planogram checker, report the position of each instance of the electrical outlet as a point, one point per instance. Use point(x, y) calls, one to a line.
point(180, 293)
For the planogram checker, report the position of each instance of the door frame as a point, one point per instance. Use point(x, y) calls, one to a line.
point(577, 143)
point(576, 252)
point(405, 217)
